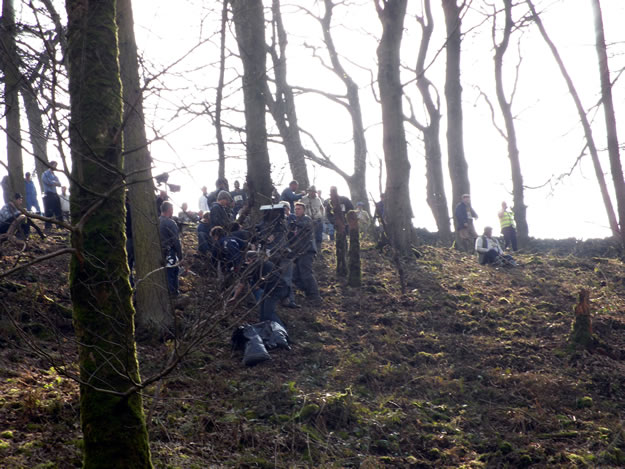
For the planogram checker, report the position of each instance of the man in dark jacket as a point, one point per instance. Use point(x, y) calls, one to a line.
point(464, 215)
point(302, 243)
point(291, 195)
point(170, 246)
point(221, 215)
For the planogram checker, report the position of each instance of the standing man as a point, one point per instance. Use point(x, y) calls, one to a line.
point(203, 202)
point(290, 194)
point(315, 210)
point(240, 197)
point(464, 215)
point(221, 185)
point(51, 200)
point(304, 249)
point(171, 247)
point(508, 226)
point(31, 194)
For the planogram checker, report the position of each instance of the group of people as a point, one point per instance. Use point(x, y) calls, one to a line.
point(488, 249)
point(272, 258)
point(14, 223)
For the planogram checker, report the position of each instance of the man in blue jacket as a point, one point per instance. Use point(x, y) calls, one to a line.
point(31, 194)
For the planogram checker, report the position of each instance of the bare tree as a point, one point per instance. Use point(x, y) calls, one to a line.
point(458, 167)
point(590, 141)
point(111, 409)
point(520, 209)
point(221, 147)
point(249, 25)
point(282, 106)
point(610, 119)
point(397, 209)
point(12, 77)
point(350, 101)
point(435, 187)
point(154, 312)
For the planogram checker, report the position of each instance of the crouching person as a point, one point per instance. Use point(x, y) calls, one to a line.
point(489, 251)
point(266, 283)
point(12, 219)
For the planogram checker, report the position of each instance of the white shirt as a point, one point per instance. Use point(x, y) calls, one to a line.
point(203, 203)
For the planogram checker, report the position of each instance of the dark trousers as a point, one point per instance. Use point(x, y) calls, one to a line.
point(509, 237)
point(318, 230)
point(172, 279)
point(52, 207)
point(303, 276)
point(5, 225)
point(268, 303)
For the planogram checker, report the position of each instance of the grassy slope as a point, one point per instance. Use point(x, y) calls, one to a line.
point(469, 368)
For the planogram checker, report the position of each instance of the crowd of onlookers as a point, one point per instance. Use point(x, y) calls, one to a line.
point(274, 256)
point(271, 257)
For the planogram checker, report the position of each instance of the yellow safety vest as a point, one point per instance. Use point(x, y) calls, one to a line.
point(506, 219)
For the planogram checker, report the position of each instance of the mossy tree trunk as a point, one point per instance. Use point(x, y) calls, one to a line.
point(154, 311)
point(355, 276)
point(249, 22)
point(111, 410)
point(398, 212)
point(9, 62)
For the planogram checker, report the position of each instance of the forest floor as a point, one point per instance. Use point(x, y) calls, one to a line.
point(470, 368)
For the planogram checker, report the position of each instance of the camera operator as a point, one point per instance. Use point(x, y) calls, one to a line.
point(302, 243)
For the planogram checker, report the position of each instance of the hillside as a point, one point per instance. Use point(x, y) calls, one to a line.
point(469, 368)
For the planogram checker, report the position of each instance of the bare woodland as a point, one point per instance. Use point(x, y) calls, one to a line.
point(273, 91)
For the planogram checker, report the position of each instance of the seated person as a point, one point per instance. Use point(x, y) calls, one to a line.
point(489, 251)
point(12, 220)
point(185, 216)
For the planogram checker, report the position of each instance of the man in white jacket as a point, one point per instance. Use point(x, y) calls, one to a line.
point(489, 251)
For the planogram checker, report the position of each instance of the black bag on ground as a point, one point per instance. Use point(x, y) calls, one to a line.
point(255, 339)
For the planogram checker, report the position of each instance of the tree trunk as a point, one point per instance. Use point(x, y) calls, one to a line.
point(221, 147)
point(398, 210)
point(38, 138)
point(357, 181)
point(249, 25)
point(154, 311)
point(340, 235)
point(435, 186)
point(355, 276)
point(590, 141)
point(111, 408)
point(520, 209)
point(610, 119)
point(12, 79)
point(282, 108)
point(458, 167)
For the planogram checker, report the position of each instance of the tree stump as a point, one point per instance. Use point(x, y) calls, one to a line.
point(354, 278)
point(582, 327)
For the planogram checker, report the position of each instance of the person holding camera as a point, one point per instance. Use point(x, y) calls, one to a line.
point(302, 243)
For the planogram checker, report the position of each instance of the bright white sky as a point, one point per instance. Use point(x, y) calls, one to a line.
point(550, 138)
